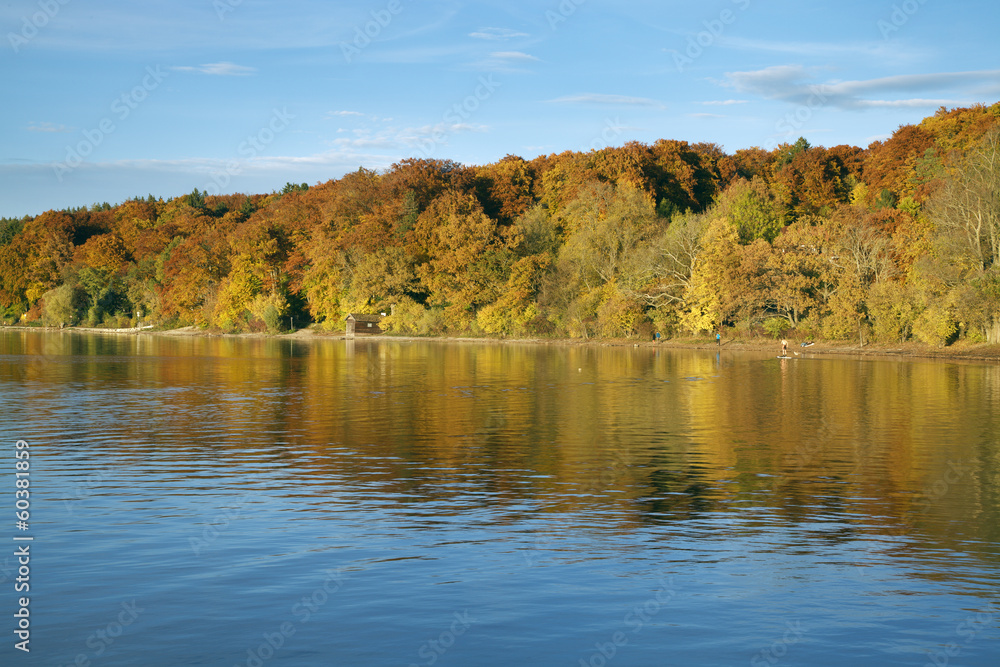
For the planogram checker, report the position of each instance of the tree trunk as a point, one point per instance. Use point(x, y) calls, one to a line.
point(993, 331)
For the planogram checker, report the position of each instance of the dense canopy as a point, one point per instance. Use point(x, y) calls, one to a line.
point(900, 240)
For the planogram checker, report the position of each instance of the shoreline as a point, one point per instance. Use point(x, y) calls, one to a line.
point(911, 350)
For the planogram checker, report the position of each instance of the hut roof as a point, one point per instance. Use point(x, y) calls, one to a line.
point(362, 317)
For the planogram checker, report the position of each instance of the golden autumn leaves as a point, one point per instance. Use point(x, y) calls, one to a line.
point(895, 241)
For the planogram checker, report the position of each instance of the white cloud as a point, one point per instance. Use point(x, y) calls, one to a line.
point(724, 103)
point(333, 115)
point(613, 100)
point(813, 49)
point(877, 137)
point(406, 138)
point(205, 167)
point(706, 115)
point(498, 34)
point(219, 69)
point(504, 61)
point(512, 55)
point(793, 84)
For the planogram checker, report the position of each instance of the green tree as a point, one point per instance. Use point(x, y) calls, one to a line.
point(62, 306)
point(294, 187)
point(9, 228)
point(196, 199)
point(751, 211)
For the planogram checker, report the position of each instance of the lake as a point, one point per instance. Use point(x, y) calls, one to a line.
point(250, 502)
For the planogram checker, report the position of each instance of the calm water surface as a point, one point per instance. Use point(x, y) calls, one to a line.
point(274, 502)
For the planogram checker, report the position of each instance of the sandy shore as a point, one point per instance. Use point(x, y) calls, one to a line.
point(963, 350)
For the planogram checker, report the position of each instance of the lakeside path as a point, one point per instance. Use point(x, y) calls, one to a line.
point(960, 351)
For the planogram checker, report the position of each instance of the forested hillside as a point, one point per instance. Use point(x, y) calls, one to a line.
point(900, 240)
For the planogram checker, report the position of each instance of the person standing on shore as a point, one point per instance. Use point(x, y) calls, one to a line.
point(718, 339)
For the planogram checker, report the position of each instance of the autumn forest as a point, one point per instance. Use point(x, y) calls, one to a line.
point(893, 242)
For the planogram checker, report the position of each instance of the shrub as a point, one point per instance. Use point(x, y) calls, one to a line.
point(619, 316)
point(776, 326)
point(935, 326)
point(404, 318)
point(891, 307)
point(270, 310)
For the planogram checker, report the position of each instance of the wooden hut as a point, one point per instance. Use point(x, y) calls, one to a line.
point(363, 325)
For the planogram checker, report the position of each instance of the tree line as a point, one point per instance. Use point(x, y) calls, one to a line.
point(897, 241)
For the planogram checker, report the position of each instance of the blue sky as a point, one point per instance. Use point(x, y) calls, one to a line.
point(106, 100)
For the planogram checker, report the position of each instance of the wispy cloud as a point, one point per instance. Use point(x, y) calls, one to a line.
point(812, 49)
point(796, 85)
point(344, 114)
point(706, 115)
point(876, 137)
point(514, 62)
point(404, 138)
point(498, 34)
point(724, 103)
point(47, 127)
point(610, 100)
point(219, 69)
point(512, 55)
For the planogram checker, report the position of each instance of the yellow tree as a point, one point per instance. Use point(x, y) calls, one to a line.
point(731, 282)
point(607, 230)
point(517, 306)
point(797, 267)
point(467, 259)
point(605, 227)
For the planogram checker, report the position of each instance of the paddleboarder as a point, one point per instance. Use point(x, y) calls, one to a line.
point(784, 347)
